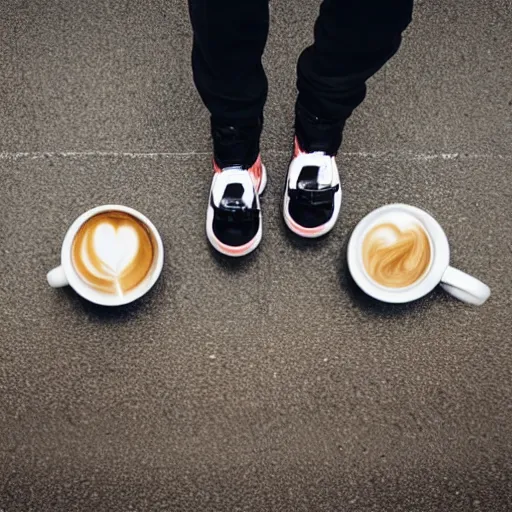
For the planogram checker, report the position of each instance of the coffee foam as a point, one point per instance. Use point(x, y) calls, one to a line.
point(396, 250)
point(113, 252)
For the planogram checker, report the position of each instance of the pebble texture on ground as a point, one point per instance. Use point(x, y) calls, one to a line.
point(272, 383)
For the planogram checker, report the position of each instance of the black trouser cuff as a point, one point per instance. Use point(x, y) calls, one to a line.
point(236, 144)
point(315, 134)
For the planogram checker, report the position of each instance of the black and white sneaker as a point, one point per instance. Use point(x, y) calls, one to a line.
point(312, 197)
point(233, 220)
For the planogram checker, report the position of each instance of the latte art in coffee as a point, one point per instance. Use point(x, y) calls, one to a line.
point(396, 257)
point(113, 252)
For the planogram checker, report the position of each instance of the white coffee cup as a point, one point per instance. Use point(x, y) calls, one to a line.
point(65, 274)
point(457, 283)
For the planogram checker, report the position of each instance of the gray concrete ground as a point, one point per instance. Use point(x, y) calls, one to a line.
point(270, 384)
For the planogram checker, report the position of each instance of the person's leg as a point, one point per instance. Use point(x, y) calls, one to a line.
point(229, 40)
point(353, 40)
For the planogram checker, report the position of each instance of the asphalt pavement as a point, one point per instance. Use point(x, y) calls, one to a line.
point(270, 383)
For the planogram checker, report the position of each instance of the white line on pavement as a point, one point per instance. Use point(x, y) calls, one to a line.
point(389, 155)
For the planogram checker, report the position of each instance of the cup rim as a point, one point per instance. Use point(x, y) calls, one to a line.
point(438, 265)
point(87, 292)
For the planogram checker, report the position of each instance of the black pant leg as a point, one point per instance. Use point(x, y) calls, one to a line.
point(229, 40)
point(353, 40)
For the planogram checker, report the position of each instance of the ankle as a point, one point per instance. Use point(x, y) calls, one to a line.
point(236, 144)
point(316, 134)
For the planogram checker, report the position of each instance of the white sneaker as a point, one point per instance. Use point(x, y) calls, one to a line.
point(312, 196)
point(233, 220)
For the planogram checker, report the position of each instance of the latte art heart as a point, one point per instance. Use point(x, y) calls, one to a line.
point(113, 252)
point(395, 257)
point(115, 248)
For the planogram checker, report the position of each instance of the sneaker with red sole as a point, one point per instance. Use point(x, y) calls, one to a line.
point(312, 196)
point(233, 219)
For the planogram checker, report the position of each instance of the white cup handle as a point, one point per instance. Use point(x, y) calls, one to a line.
point(57, 278)
point(465, 287)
